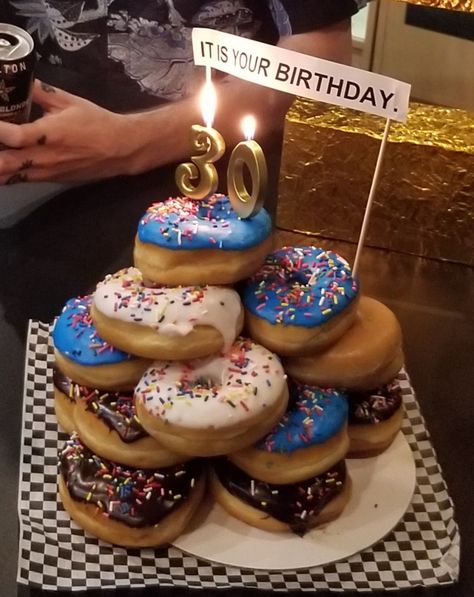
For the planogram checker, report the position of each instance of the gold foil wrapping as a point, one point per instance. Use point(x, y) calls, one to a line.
point(425, 199)
point(464, 5)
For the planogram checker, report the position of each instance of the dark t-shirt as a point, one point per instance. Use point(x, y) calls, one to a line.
point(133, 54)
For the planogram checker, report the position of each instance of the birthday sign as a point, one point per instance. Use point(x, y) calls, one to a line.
point(300, 74)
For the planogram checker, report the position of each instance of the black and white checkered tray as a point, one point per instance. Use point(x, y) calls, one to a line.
point(55, 554)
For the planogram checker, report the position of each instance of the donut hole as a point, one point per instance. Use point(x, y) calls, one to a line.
point(214, 208)
point(298, 280)
point(203, 384)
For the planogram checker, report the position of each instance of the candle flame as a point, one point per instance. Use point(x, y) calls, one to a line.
point(208, 103)
point(249, 124)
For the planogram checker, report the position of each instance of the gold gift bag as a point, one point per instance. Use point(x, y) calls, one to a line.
point(463, 5)
point(425, 198)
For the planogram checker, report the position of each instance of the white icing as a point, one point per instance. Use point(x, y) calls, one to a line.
point(170, 311)
point(246, 379)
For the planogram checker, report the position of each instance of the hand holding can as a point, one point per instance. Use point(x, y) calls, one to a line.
point(17, 61)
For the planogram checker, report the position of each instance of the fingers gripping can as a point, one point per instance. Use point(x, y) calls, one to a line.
point(17, 61)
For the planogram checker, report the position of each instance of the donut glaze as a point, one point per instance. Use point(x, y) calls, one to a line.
point(314, 416)
point(65, 385)
point(169, 311)
point(182, 224)
point(300, 286)
point(138, 498)
point(294, 504)
point(75, 336)
point(223, 390)
point(115, 409)
point(374, 406)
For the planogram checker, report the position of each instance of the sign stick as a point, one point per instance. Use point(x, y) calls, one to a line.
point(373, 190)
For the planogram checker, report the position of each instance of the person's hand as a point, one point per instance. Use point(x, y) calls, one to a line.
point(75, 140)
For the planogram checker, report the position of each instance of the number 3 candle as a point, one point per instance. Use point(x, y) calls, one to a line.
point(199, 179)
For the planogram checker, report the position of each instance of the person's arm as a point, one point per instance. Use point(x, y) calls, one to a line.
point(76, 140)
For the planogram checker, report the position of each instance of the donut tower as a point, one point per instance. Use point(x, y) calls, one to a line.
point(219, 368)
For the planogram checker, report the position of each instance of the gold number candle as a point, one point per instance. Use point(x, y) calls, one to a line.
point(247, 154)
point(198, 179)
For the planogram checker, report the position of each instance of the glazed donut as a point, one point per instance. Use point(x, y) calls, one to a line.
point(310, 438)
point(64, 400)
point(369, 354)
point(216, 405)
point(82, 355)
point(128, 507)
point(185, 242)
point(375, 418)
point(301, 300)
point(165, 323)
point(108, 424)
point(297, 507)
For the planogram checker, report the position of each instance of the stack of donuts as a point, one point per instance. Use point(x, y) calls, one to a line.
point(214, 368)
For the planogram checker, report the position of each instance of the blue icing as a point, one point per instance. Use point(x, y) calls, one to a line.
point(75, 336)
point(302, 286)
point(314, 416)
point(209, 224)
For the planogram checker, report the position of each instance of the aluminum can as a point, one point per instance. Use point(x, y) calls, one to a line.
point(17, 62)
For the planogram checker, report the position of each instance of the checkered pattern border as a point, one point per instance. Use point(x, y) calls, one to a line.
point(55, 554)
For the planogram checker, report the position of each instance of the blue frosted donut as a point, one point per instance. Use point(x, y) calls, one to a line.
point(313, 417)
point(301, 286)
point(75, 336)
point(182, 242)
point(310, 438)
point(85, 358)
point(183, 224)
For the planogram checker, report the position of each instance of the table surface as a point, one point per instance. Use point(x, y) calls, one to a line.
point(67, 245)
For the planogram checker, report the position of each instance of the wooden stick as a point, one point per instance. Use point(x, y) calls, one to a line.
point(373, 190)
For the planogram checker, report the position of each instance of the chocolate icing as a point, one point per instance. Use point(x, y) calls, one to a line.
point(374, 406)
point(115, 409)
point(296, 504)
point(136, 497)
point(64, 385)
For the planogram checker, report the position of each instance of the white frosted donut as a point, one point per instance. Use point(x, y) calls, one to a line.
point(165, 323)
point(213, 406)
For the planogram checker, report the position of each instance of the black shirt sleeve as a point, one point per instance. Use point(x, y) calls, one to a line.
point(307, 15)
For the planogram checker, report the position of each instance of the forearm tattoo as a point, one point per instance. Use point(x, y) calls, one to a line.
point(21, 175)
point(47, 88)
point(18, 177)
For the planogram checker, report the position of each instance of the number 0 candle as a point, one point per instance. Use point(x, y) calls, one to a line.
point(247, 153)
point(198, 179)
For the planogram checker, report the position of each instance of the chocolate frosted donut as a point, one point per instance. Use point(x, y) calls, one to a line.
point(107, 422)
point(129, 507)
point(376, 405)
point(64, 400)
point(297, 507)
point(375, 418)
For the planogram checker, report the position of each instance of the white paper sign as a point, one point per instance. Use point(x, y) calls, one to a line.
point(299, 74)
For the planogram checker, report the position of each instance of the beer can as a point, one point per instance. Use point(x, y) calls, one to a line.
point(17, 62)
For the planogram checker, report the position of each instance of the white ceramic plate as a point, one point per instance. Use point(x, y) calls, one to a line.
point(382, 491)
